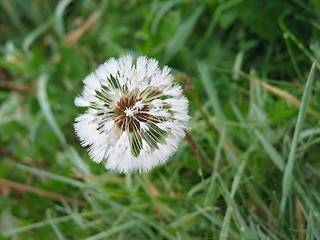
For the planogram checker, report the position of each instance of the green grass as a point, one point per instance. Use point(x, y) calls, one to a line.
point(254, 102)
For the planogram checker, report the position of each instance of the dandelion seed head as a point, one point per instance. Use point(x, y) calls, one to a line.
point(136, 114)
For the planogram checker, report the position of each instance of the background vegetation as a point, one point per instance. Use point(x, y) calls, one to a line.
point(250, 169)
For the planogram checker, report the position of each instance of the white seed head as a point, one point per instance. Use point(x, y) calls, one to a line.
point(135, 117)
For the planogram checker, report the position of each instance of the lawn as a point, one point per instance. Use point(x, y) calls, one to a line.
point(249, 166)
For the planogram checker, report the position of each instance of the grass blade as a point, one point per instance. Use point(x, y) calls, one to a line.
point(231, 204)
point(13, 15)
point(182, 35)
point(14, 66)
point(50, 175)
point(59, 24)
point(289, 34)
point(113, 230)
point(54, 226)
point(288, 174)
point(310, 227)
point(36, 33)
point(45, 107)
point(47, 222)
point(211, 90)
point(273, 154)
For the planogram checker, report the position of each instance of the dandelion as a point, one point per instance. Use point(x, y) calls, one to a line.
point(135, 117)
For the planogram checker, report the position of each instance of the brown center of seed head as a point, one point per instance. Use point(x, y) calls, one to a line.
point(130, 123)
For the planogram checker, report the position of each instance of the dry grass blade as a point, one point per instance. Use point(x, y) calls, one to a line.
point(93, 177)
point(15, 87)
point(153, 190)
point(4, 183)
point(299, 221)
point(292, 99)
point(73, 37)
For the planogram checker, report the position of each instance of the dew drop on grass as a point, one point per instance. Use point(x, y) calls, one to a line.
point(203, 225)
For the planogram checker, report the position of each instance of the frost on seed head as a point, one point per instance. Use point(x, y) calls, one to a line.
point(135, 117)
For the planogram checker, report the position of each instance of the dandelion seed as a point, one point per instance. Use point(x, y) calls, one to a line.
point(135, 117)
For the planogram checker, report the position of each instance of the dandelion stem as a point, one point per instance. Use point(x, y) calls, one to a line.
point(196, 150)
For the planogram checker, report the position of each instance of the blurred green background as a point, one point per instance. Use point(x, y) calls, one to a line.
point(250, 169)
